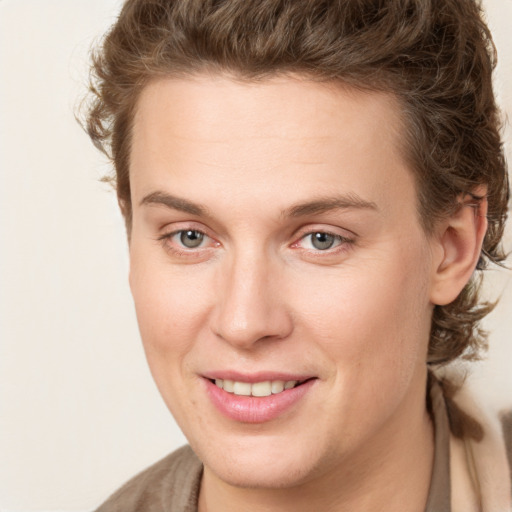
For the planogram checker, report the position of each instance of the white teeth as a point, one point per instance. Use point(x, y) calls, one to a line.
point(228, 385)
point(262, 388)
point(265, 388)
point(242, 388)
point(277, 386)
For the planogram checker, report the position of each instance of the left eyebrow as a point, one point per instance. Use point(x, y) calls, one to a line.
point(175, 203)
point(323, 205)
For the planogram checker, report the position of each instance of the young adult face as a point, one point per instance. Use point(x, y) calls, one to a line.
point(276, 239)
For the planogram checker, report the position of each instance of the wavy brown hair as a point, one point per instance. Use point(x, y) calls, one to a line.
point(435, 56)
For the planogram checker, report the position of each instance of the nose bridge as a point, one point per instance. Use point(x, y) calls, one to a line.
point(250, 307)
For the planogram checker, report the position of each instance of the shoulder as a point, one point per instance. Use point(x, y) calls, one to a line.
point(170, 484)
point(485, 433)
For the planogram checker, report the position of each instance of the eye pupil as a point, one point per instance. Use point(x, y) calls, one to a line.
point(322, 241)
point(191, 238)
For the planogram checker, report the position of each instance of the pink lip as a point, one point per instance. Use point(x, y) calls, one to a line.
point(249, 409)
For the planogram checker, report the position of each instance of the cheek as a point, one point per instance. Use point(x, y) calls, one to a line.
point(373, 329)
point(170, 305)
point(170, 314)
point(373, 319)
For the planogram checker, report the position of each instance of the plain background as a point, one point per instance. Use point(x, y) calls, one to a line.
point(79, 413)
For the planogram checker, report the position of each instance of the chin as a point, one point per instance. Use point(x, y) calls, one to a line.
point(261, 463)
point(262, 476)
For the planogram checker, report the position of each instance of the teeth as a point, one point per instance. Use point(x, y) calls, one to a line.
point(265, 388)
point(277, 386)
point(227, 385)
point(261, 388)
point(242, 388)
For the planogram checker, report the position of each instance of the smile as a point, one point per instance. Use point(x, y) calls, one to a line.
point(258, 401)
point(260, 389)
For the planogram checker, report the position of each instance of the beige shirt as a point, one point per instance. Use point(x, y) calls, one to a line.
point(172, 484)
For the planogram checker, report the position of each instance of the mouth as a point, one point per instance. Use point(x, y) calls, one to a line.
point(264, 398)
point(257, 389)
point(258, 397)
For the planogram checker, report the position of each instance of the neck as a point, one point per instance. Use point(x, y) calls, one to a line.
point(393, 473)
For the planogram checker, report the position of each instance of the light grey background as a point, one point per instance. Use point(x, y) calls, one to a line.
point(79, 413)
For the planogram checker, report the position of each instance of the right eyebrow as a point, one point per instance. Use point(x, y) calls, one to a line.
point(322, 205)
point(175, 203)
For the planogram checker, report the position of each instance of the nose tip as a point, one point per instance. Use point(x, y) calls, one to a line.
point(252, 307)
point(244, 333)
point(238, 336)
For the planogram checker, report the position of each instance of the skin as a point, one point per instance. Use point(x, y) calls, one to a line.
point(257, 295)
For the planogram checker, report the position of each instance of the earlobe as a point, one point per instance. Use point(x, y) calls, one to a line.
point(459, 240)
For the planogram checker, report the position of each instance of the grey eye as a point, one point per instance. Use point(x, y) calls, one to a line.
point(191, 239)
point(322, 241)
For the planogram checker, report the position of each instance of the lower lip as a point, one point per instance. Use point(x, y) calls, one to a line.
point(250, 409)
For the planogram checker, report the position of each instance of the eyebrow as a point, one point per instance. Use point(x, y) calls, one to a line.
point(176, 203)
point(323, 205)
point(315, 207)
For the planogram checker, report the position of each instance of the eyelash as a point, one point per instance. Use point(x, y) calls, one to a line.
point(166, 238)
point(342, 243)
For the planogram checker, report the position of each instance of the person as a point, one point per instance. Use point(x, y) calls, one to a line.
point(311, 192)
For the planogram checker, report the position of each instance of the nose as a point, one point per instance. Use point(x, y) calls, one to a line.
point(251, 305)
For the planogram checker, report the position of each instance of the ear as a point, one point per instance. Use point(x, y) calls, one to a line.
point(456, 247)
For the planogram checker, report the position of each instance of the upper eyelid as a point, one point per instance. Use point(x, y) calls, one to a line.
point(173, 233)
point(307, 230)
point(341, 239)
point(323, 231)
point(171, 229)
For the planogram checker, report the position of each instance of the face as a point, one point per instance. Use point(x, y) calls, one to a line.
point(280, 274)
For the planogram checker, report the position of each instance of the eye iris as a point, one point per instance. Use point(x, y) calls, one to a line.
point(322, 241)
point(191, 238)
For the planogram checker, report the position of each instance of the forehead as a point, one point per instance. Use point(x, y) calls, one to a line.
point(303, 108)
point(274, 134)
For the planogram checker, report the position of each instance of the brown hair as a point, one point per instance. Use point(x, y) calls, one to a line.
point(435, 56)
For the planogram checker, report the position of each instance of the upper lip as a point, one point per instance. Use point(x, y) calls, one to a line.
point(260, 376)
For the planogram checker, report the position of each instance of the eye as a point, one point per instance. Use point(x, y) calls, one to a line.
point(190, 238)
point(321, 241)
point(186, 241)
